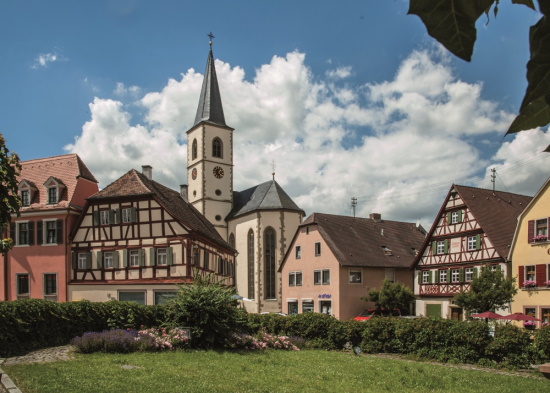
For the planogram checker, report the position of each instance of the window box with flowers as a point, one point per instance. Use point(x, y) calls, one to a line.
point(540, 238)
point(547, 283)
point(531, 325)
point(529, 284)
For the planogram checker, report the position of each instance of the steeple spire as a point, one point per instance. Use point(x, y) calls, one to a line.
point(210, 103)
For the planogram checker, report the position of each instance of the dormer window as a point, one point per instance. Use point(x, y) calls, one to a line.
point(26, 192)
point(53, 187)
point(52, 195)
point(25, 198)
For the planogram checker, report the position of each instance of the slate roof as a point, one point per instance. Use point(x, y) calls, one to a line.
point(66, 169)
point(210, 102)
point(356, 241)
point(265, 196)
point(134, 183)
point(496, 212)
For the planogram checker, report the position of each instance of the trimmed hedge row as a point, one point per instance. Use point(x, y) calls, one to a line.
point(31, 324)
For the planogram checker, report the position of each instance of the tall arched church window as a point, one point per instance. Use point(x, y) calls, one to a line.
point(217, 148)
point(194, 150)
point(250, 240)
point(269, 260)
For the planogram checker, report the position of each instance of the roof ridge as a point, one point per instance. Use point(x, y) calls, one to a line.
point(49, 158)
point(489, 190)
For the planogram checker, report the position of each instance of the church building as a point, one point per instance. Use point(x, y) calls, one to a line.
point(258, 222)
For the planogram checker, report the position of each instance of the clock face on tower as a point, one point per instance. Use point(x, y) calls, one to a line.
point(194, 173)
point(218, 172)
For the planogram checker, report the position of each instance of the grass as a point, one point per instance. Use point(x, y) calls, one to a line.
point(268, 371)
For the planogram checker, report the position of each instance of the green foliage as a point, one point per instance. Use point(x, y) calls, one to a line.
point(511, 347)
point(391, 296)
point(211, 310)
point(488, 291)
point(9, 169)
point(542, 343)
point(452, 23)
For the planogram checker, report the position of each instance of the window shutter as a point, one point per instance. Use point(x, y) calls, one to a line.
point(115, 259)
point(59, 231)
point(31, 233)
point(419, 277)
point(152, 261)
point(169, 256)
point(118, 215)
point(461, 274)
point(474, 275)
point(430, 277)
point(133, 213)
point(449, 218)
point(521, 276)
point(88, 260)
point(459, 216)
point(540, 274)
point(111, 216)
point(125, 258)
point(96, 217)
point(448, 275)
point(478, 242)
point(74, 259)
point(12, 231)
point(434, 247)
point(531, 231)
point(99, 260)
point(39, 232)
point(446, 249)
point(141, 257)
point(436, 276)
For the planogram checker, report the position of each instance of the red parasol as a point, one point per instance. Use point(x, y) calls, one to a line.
point(518, 316)
point(487, 314)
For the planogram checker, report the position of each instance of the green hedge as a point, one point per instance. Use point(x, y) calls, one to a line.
point(31, 324)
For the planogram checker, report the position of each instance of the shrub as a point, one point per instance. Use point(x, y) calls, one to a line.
point(163, 338)
point(511, 347)
point(110, 341)
point(266, 341)
point(542, 343)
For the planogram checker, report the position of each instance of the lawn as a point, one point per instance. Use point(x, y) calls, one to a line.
point(267, 371)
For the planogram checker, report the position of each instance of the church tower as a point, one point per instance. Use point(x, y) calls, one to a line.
point(210, 154)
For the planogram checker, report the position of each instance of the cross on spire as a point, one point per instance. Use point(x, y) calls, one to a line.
point(211, 36)
point(273, 168)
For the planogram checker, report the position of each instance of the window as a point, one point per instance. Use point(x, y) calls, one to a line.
point(194, 150)
point(294, 279)
point(545, 315)
point(425, 277)
point(469, 274)
point(292, 308)
point(132, 296)
point(162, 256)
point(389, 274)
point(326, 307)
point(196, 255)
point(298, 252)
point(321, 277)
point(104, 217)
point(82, 260)
point(531, 311)
point(269, 263)
point(50, 286)
point(52, 195)
point(530, 273)
point(134, 257)
point(455, 217)
point(25, 198)
point(128, 215)
point(108, 259)
point(317, 277)
point(307, 306)
point(250, 249)
point(51, 233)
point(217, 150)
point(542, 227)
point(232, 240)
point(355, 276)
point(23, 233)
point(443, 276)
point(163, 297)
point(455, 275)
point(326, 277)
point(317, 249)
point(307, 230)
point(441, 247)
point(22, 283)
point(206, 264)
point(474, 243)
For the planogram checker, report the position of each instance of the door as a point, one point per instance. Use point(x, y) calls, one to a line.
point(433, 310)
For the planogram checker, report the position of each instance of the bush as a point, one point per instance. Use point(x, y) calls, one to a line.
point(542, 343)
point(511, 347)
point(110, 341)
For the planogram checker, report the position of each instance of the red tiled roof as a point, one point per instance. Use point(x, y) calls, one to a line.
point(358, 241)
point(66, 169)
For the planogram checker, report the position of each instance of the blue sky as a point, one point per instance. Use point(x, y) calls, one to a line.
point(348, 98)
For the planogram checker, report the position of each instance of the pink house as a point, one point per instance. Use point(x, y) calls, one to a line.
point(53, 191)
point(333, 259)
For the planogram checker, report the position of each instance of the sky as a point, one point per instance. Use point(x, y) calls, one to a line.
point(345, 99)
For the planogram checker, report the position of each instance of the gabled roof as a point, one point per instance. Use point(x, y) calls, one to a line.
point(265, 196)
point(365, 242)
point(210, 102)
point(495, 211)
point(134, 183)
point(66, 169)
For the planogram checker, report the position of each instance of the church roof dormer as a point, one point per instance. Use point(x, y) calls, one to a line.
point(210, 103)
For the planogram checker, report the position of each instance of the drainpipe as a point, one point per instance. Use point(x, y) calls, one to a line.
point(6, 288)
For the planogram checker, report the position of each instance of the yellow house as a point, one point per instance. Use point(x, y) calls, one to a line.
point(530, 256)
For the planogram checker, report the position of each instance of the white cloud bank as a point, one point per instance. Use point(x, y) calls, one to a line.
point(397, 146)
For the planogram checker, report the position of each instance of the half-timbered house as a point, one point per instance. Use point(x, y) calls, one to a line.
point(137, 239)
point(530, 256)
point(473, 228)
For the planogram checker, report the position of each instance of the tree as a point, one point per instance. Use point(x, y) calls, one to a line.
point(489, 291)
point(452, 23)
point(9, 169)
point(392, 295)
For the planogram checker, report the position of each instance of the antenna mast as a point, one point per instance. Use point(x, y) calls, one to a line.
point(353, 204)
point(493, 177)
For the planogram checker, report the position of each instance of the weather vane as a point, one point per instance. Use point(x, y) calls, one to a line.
point(211, 36)
point(273, 167)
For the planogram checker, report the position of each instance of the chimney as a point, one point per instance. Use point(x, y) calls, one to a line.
point(376, 217)
point(183, 192)
point(147, 171)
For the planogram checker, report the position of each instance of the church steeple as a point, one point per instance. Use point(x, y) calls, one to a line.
point(210, 103)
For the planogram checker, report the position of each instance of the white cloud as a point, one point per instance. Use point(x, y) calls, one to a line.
point(339, 73)
point(121, 90)
point(44, 59)
point(397, 146)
